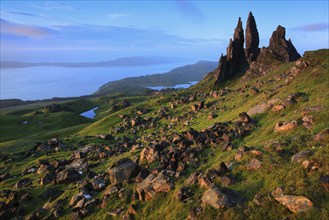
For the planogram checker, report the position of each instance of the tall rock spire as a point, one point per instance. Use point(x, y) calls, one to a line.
point(235, 61)
point(283, 49)
point(252, 39)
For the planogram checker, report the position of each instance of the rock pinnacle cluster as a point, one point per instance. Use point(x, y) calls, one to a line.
point(238, 59)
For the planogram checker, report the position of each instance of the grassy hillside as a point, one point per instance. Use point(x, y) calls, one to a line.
point(137, 85)
point(157, 121)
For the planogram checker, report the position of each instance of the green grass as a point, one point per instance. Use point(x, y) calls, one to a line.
point(277, 169)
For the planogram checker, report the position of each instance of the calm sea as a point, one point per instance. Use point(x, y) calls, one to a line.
point(47, 82)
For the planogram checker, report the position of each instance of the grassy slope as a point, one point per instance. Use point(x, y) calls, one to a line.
point(277, 170)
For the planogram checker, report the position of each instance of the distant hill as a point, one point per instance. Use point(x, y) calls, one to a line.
point(180, 75)
point(120, 62)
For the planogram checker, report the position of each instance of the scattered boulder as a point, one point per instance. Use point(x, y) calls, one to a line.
point(308, 121)
point(218, 198)
point(52, 193)
point(244, 117)
point(194, 213)
point(285, 126)
point(163, 182)
point(192, 179)
point(277, 108)
point(98, 183)
point(254, 164)
point(323, 136)
point(67, 176)
point(324, 180)
point(25, 182)
point(184, 194)
point(299, 157)
point(258, 109)
point(212, 116)
point(294, 203)
point(47, 178)
point(80, 165)
point(124, 170)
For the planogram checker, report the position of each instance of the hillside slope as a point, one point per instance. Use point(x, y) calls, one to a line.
point(180, 75)
point(191, 154)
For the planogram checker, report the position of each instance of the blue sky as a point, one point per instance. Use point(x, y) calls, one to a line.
point(74, 31)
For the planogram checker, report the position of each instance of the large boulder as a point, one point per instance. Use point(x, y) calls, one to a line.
point(163, 182)
point(80, 165)
point(293, 203)
point(67, 176)
point(124, 170)
point(218, 198)
point(281, 48)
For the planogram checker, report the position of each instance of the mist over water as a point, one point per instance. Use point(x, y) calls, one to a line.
point(47, 82)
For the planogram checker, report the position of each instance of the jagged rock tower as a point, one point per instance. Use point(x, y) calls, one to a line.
point(238, 60)
point(284, 50)
point(252, 39)
point(235, 59)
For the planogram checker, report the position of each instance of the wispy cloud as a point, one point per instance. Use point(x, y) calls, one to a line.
point(117, 15)
point(52, 5)
point(189, 10)
point(312, 27)
point(23, 29)
point(22, 13)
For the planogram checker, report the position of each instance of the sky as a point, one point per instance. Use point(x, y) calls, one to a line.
point(86, 31)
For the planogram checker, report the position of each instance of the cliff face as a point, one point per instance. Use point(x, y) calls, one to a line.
point(238, 60)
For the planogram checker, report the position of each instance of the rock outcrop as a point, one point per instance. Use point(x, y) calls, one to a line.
point(283, 49)
point(252, 60)
point(235, 61)
point(252, 39)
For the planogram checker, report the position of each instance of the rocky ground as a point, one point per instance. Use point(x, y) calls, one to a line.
point(255, 147)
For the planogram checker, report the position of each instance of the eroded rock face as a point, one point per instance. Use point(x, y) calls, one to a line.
point(283, 49)
point(252, 39)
